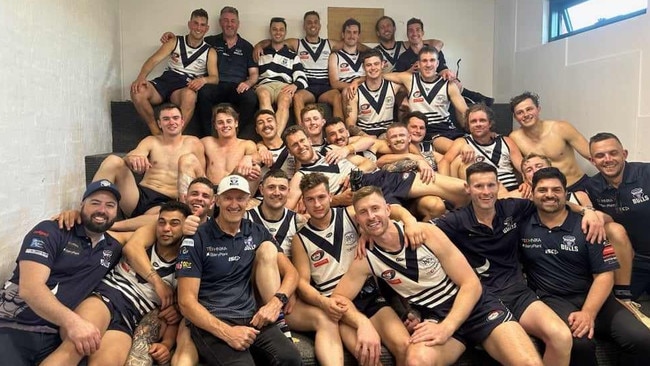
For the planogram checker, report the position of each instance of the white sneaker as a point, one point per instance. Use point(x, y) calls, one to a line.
point(635, 309)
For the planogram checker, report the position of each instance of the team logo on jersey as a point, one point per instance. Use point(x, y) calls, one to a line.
point(107, 254)
point(238, 52)
point(509, 224)
point(638, 196)
point(175, 56)
point(350, 239)
point(317, 258)
point(417, 94)
point(389, 276)
point(344, 67)
point(187, 243)
point(427, 262)
point(248, 243)
point(365, 109)
point(304, 55)
point(389, 101)
point(494, 314)
point(569, 243)
point(285, 62)
point(440, 99)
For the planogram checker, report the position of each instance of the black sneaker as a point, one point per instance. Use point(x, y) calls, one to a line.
point(355, 180)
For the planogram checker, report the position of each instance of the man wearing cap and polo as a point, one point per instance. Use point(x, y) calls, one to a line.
point(56, 269)
point(215, 292)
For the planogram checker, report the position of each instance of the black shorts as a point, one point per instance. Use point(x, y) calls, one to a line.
point(516, 297)
point(148, 198)
point(447, 130)
point(369, 300)
point(169, 82)
point(395, 186)
point(318, 89)
point(580, 185)
point(488, 313)
point(123, 317)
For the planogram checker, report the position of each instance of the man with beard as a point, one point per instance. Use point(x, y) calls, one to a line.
point(273, 153)
point(358, 149)
point(575, 277)
point(56, 269)
point(345, 64)
point(399, 186)
point(122, 299)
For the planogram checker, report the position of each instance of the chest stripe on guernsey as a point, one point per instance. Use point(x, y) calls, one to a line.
point(277, 164)
point(391, 59)
point(354, 65)
point(411, 261)
point(188, 60)
point(315, 55)
point(496, 152)
point(433, 92)
point(379, 102)
point(333, 250)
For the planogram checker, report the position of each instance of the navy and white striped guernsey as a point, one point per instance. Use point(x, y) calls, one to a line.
point(187, 60)
point(283, 66)
point(375, 107)
point(497, 154)
point(349, 66)
point(391, 54)
point(314, 58)
point(432, 99)
point(282, 230)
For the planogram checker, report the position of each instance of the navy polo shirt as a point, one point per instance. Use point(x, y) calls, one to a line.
point(493, 252)
point(559, 260)
point(233, 63)
point(629, 204)
point(224, 264)
point(76, 268)
point(409, 57)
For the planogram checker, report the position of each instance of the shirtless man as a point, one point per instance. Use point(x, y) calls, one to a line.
point(558, 140)
point(192, 64)
point(157, 157)
point(223, 153)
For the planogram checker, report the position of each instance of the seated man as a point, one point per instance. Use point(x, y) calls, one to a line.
point(281, 74)
point(157, 157)
point(345, 64)
point(273, 153)
point(123, 298)
point(55, 270)
point(216, 269)
point(439, 283)
point(359, 149)
point(192, 64)
point(499, 151)
point(371, 107)
point(322, 251)
point(399, 186)
point(575, 277)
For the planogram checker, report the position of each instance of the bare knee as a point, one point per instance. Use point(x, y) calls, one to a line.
point(284, 101)
point(421, 356)
point(266, 254)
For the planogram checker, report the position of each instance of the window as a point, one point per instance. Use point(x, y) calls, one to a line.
point(568, 17)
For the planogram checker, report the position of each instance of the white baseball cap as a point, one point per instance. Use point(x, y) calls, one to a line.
point(233, 182)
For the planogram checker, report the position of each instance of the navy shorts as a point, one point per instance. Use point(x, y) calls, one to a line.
point(580, 185)
point(169, 82)
point(369, 300)
point(488, 313)
point(123, 317)
point(318, 89)
point(516, 297)
point(447, 130)
point(395, 186)
point(147, 199)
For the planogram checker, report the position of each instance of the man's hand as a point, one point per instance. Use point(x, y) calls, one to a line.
point(343, 199)
point(290, 89)
point(581, 323)
point(242, 87)
point(593, 227)
point(414, 234)
point(67, 219)
point(170, 315)
point(467, 154)
point(83, 334)
point(196, 84)
point(426, 172)
point(334, 307)
point(267, 314)
point(241, 337)
point(265, 155)
point(164, 292)
point(138, 85)
point(363, 241)
point(431, 332)
point(191, 225)
point(526, 191)
point(160, 353)
point(411, 321)
point(258, 52)
point(414, 68)
point(245, 166)
point(447, 74)
point(336, 154)
point(368, 348)
point(137, 163)
point(351, 91)
point(288, 308)
point(166, 37)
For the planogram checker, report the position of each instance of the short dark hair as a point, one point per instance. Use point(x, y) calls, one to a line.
point(366, 191)
point(274, 173)
point(521, 97)
point(229, 9)
point(202, 180)
point(427, 49)
point(602, 136)
point(313, 180)
point(199, 13)
point(535, 155)
point(350, 22)
point(261, 112)
point(383, 18)
point(480, 167)
point(166, 107)
point(171, 206)
point(549, 173)
point(278, 20)
point(373, 52)
point(415, 21)
point(291, 130)
point(417, 114)
point(311, 12)
point(332, 122)
point(480, 107)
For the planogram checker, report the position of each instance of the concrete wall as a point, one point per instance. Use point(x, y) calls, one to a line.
point(595, 80)
point(60, 69)
point(466, 27)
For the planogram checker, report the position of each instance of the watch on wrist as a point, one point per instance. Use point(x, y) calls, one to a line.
point(282, 297)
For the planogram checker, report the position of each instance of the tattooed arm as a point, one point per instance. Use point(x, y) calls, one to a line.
point(147, 332)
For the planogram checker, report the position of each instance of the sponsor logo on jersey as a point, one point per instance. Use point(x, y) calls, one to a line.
point(494, 314)
point(41, 233)
point(551, 251)
point(72, 248)
point(389, 276)
point(317, 255)
point(234, 258)
point(37, 252)
point(37, 243)
point(183, 265)
point(187, 243)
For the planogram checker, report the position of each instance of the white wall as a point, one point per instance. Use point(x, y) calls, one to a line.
point(60, 69)
point(466, 27)
point(595, 79)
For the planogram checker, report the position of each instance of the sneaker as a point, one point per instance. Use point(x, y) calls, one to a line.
point(355, 180)
point(284, 328)
point(635, 309)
